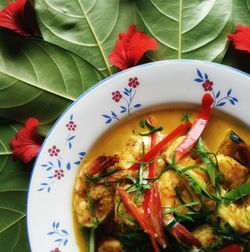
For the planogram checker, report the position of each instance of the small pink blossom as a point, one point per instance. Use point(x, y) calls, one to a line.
point(55, 250)
point(53, 151)
point(59, 174)
point(133, 82)
point(208, 85)
point(116, 96)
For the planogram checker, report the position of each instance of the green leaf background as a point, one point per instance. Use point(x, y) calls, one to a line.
point(41, 77)
point(14, 178)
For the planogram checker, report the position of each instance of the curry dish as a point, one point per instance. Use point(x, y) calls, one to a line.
point(171, 180)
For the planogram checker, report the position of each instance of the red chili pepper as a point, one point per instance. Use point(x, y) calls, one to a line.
point(184, 236)
point(101, 163)
point(197, 128)
point(152, 202)
point(153, 152)
point(139, 217)
point(231, 248)
point(153, 212)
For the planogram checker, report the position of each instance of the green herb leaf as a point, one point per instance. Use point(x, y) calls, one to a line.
point(209, 163)
point(237, 193)
point(185, 117)
point(92, 209)
point(101, 177)
point(154, 130)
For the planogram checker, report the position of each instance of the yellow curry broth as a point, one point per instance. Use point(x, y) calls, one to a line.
point(114, 140)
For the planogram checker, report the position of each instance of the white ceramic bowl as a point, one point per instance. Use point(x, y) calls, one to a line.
point(50, 220)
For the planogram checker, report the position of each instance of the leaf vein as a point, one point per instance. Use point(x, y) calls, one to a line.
point(96, 38)
point(164, 14)
point(57, 66)
point(12, 224)
point(61, 12)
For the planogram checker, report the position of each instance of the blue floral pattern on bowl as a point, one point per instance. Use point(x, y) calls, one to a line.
point(208, 86)
point(59, 235)
point(126, 98)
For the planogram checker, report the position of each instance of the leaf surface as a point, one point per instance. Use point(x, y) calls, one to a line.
point(3, 3)
point(39, 79)
point(187, 29)
point(14, 179)
point(241, 12)
point(88, 28)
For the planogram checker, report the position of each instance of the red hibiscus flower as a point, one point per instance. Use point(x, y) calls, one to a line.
point(19, 17)
point(27, 142)
point(241, 38)
point(130, 48)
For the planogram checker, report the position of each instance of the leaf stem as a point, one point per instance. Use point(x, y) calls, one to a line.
point(92, 240)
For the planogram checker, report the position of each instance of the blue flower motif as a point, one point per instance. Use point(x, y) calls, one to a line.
point(61, 235)
point(219, 99)
point(127, 98)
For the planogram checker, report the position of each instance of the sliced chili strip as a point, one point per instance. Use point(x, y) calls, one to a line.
point(153, 152)
point(197, 128)
point(152, 202)
point(139, 217)
point(231, 248)
point(184, 236)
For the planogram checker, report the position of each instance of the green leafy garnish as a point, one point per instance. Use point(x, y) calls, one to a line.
point(207, 160)
point(237, 193)
point(125, 216)
point(92, 209)
point(185, 117)
point(145, 124)
point(154, 130)
point(101, 177)
point(177, 213)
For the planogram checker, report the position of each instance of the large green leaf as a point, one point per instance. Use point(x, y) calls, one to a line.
point(14, 179)
point(3, 3)
point(241, 12)
point(88, 28)
point(187, 29)
point(39, 79)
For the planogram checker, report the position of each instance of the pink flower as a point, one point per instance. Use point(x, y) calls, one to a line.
point(59, 174)
point(53, 151)
point(27, 142)
point(55, 250)
point(208, 85)
point(133, 82)
point(71, 126)
point(116, 96)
